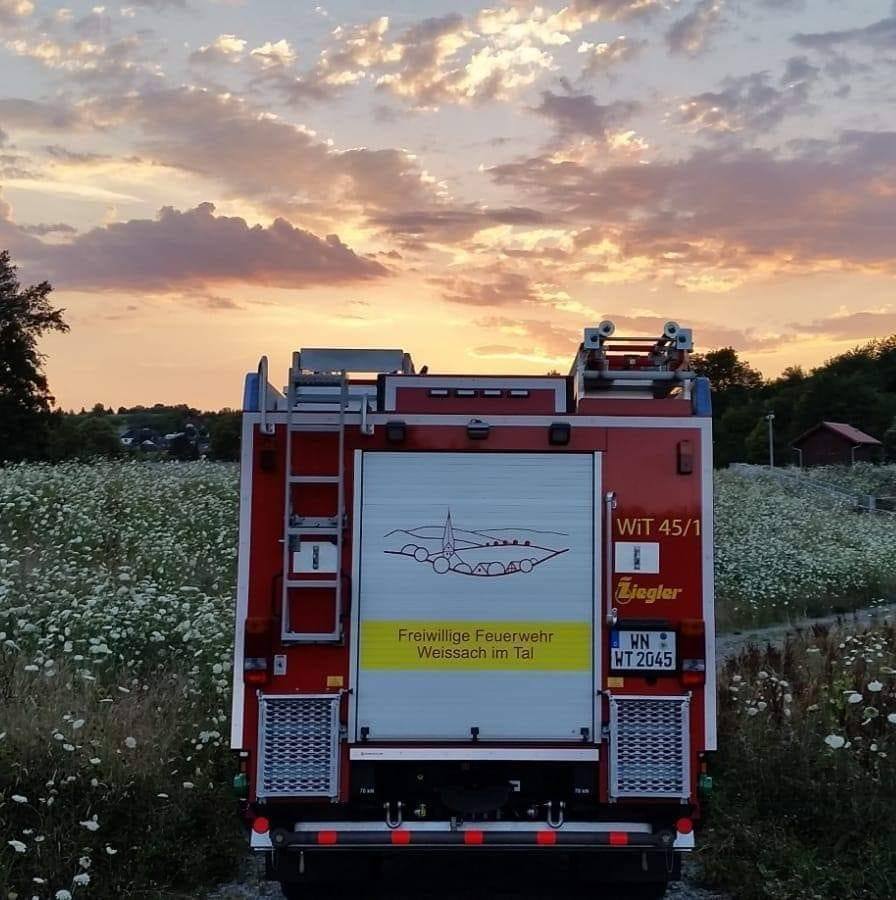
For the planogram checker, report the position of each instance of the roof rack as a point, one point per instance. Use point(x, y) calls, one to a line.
point(610, 362)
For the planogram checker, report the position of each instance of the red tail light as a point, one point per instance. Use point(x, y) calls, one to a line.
point(692, 651)
point(255, 670)
point(258, 650)
point(261, 825)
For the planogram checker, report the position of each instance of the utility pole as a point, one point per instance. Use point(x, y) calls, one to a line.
point(770, 418)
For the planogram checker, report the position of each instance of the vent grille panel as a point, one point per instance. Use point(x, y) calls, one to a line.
point(649, 747)
point(298, 747)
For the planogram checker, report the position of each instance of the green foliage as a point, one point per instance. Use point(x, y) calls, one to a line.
point(858, 387)
point(161, 418)
point(224, 431)
point(805, 776)
point(25, 316)
point(81, 437)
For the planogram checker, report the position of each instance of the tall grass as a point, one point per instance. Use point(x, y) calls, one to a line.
point(103, 793)
point(806, 771)
point(116, 599)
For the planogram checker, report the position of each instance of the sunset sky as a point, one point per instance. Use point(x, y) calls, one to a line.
point(204, 181)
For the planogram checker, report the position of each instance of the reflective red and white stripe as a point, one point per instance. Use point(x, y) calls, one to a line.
point(440, 834)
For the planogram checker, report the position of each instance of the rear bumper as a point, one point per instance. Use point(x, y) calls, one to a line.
point(603, 836)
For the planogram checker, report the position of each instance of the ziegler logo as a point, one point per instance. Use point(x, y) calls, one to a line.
point(628, 590)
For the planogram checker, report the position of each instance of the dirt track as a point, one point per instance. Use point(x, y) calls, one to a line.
point(730, 643)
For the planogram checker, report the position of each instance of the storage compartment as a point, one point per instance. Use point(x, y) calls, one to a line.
point(476, 597)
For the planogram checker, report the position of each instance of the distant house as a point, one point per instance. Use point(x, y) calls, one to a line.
point(836, 444)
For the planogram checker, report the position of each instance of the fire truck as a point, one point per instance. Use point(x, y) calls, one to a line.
point(475, 612)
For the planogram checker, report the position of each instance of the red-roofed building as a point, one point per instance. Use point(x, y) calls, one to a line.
point(836, 444)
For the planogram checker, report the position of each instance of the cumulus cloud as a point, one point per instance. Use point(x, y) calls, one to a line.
point(117, 62)
point(489, 55)
point(229, 49)
point(355, 50)
point(273, 55)
point(691, 33)
point(225, 48)
point(727, 213)
point(581, 114)
point(258, 156)
point(429, 71)
point(510, 27)
point(445, 59)
point(14, 10)
point(752, 102)
point(603, 57)
point(196, 248)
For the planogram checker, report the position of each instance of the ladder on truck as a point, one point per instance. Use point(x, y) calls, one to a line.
point(320, 378)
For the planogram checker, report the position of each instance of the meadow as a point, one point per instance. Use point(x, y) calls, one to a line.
point(116, 588)
point(784, 552)
point(116, 596)
point(805, 776)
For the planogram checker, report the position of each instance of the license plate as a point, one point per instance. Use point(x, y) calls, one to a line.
point(647, 651)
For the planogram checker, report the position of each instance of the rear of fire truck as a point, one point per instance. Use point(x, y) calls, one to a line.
point(476, 612)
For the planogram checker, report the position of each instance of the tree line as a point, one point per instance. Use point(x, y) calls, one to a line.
point(857, 387)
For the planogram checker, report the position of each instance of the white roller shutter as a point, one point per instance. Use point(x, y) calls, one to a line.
point(476, 597)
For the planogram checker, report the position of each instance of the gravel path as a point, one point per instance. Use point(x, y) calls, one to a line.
point(520, 885)
point(731, 643)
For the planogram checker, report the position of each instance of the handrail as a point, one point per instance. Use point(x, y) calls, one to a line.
point(609, 506)
point(264, 426)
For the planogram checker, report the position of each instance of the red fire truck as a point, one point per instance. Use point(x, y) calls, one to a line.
point(476, 612)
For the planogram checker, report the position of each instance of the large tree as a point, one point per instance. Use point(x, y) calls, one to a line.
point(25, 316)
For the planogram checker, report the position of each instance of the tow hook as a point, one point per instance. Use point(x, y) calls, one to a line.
point(399, 818)
point(558, 822)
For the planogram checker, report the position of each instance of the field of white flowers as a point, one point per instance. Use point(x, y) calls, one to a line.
point(862, 478)
point(116, 590)
point(116, 597)
point(806, 772)
point(783, 552)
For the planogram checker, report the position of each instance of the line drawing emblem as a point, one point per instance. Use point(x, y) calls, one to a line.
point(484, 552)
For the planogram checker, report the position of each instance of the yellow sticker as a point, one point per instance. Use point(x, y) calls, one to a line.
point(527, 646)
point(614, 681)
point(335, 681)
